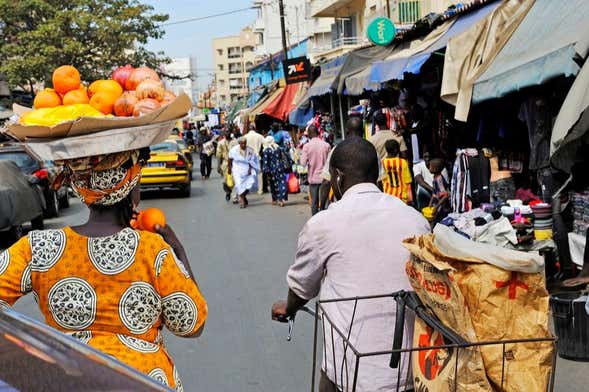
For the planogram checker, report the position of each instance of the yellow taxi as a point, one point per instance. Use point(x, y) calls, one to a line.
point(167, 167)
point(185, 150)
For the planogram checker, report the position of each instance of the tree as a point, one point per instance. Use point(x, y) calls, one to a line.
point(95, 36)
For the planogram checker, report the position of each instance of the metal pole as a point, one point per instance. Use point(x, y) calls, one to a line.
point(341, 117)
point(388, 4)
point(282, 28)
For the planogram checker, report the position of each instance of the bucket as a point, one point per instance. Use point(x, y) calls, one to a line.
point(571, 325)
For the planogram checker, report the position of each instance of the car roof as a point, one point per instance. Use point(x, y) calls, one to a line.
point(12, 147)
point(54, 361)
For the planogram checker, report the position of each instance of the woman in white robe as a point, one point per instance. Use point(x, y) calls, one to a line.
point(244, 167)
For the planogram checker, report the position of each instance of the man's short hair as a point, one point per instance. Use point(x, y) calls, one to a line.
point(357, 159)
point(355, 126)
point(312, 131)
point(380, 119)
point(392, 147)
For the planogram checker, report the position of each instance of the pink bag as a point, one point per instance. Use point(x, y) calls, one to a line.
point(293, 184)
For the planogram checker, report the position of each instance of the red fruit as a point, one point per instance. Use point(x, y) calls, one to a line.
point(125, 105)
point(140, 74)
point(145, 106)
point(122, 74)
point(151, 217)
point(168, 98)
point(150, 89)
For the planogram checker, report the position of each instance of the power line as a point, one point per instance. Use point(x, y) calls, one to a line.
point(208, 16)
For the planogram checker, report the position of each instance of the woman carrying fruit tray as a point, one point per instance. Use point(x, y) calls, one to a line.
point(104, 283)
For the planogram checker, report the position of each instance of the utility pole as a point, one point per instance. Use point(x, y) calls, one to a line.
point(283, 29)
point(388, 3)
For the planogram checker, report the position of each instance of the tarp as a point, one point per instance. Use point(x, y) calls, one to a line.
point(303, 111)
point(362, 80)
point(394, 66)
point(19, 201)
point(327, 81)
point(545, 45)
point(572, 123)
point(235, 109)
point(469, 54)
point(263, 103)
point(357, 61)
point(281, 106)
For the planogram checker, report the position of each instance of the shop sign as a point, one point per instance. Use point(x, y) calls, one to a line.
point(297, 70)
point(381, 31)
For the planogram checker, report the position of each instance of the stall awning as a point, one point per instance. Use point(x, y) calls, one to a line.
point(469, 54)
point(264, 102)
point(281, 106)
point(545, 45)
point(409, 57)
point(357, 61)
point(327, 81)
point(302, 112)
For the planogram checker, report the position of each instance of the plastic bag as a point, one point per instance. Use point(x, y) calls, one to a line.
point(229, 181)
point(293, 184)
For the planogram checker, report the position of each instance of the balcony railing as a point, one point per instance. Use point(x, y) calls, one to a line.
point(343, 42)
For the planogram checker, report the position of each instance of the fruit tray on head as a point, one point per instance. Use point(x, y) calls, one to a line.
point(92, 125)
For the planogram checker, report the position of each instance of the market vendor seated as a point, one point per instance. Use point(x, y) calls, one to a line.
point(441, 196)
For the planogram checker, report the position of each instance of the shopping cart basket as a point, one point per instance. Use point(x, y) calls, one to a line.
point(347, 363)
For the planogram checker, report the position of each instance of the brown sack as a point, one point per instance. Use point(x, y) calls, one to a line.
point(474, 297)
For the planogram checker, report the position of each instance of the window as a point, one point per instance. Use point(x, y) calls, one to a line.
point(220, 67)
point(223, 97)
point(235, 68)
point(408, 11)
point(220, 52)
point(222, 82)
point(234, 52)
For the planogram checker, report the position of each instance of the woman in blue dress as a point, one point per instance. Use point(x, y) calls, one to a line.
point(274, 167)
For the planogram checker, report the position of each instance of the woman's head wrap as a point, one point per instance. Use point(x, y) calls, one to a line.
point(102, 180)
point(279, 138)
point(269, 142)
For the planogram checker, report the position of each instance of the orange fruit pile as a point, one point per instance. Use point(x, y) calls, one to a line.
point(105, 95)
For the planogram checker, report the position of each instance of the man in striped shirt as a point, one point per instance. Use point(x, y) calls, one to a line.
point(397, 177)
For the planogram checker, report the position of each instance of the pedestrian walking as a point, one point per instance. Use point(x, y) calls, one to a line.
point(226, 143)
point(104, 283)
point(275, 166)
point(255, 142)
point(350, 250)
point(244, 167)
point(383, 134)
point(314, 157)
point(207, 149)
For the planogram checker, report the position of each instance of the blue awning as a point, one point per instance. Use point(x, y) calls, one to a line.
point(410, 56)
point(545, 45)
point(327, 81)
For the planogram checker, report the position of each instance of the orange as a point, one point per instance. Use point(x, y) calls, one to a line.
point(151, 217)
point(47, 98)
point(104, 101)
point(111, 86)
point(65, 78)
point(75, 96)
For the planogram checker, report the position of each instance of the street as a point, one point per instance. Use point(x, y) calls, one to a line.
point(240, 258)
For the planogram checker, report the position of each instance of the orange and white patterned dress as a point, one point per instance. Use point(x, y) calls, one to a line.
point(114, 293)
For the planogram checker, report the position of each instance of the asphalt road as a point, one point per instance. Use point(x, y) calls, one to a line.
point(240, 258)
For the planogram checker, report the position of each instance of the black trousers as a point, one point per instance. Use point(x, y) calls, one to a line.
point(206, 165)
point(314, 191)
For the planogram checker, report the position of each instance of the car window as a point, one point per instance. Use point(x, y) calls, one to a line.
point(166, 146)
point(22, 160)
point(181, 144)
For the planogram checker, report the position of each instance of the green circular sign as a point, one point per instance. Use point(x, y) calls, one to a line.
point(381, 31)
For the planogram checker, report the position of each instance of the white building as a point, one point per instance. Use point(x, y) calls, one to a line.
point(299, 25)
point(185, 68)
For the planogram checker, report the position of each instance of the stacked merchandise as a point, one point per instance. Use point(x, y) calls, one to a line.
point(581, 212)
point(542, 221)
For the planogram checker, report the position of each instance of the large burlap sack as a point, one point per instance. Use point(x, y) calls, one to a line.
point(483, 302)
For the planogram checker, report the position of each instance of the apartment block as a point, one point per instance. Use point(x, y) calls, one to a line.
point(232, 56)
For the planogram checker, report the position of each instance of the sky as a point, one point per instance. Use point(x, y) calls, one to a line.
point(193, 39)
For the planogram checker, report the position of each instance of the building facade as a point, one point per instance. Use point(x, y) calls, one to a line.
point(183, 68)
point(232, 56)
point(352, 17)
